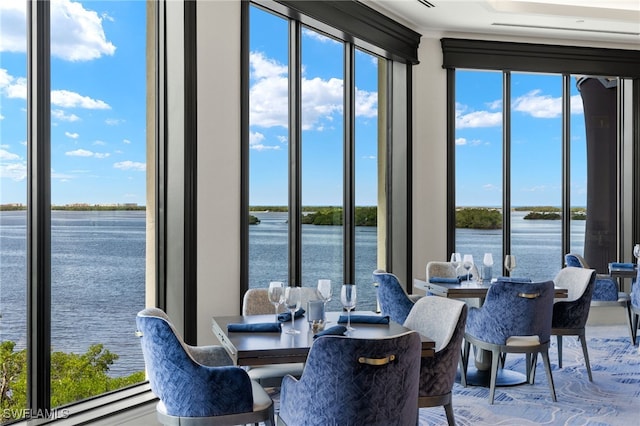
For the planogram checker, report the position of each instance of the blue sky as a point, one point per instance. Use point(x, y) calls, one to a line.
point(98, 102)
point(98, 116)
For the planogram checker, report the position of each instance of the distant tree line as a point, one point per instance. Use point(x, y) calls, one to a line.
point(78, 207)
point(479, 218)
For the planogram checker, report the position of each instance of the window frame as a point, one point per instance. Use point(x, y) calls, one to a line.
point(565, 61)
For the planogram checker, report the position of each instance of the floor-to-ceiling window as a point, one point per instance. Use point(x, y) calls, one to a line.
point(561, 142)
point(316, 154)
point(93, 154)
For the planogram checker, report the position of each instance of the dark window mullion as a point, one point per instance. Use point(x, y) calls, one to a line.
point(506, 165)
point(348, 208)
point(39, 207)
point(566, 165)
point(295, 156)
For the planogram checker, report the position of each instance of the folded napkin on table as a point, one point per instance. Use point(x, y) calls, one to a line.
point(260, 327)
point(336, 330)
point(621, 265)
point(286, 316)
point(514, 280)
point(443, 280)
point(365, 319)
point(463, 277)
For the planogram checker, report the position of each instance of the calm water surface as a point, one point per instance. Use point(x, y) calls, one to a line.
point(98, 270)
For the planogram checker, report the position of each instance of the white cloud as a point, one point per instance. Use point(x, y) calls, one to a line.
point(538, 105)
point(76, 33)
point(477, 119)
point(1, 117)
point(60, 115)
point(113, 121)
point(131, 165)
point(7, 156)
point(127, 141)
point(14, 171)
point(99, 143)
point(71, 135)
point(68, 99)
point(461, 141)
point(255, 142)
point(322, 99)
point(86, 153)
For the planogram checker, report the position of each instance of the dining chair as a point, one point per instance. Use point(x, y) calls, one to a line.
point(197, 385)
point(605, 289)
point(570, 314)
point(635, 307)
point(352, 381)
point(515, 318)
point(256, 302)
point(392, 298)
point(447, 270)
point(443, 320)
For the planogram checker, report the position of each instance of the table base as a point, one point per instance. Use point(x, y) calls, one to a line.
point(505, 377)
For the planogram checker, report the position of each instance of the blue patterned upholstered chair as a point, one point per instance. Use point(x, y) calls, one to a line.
point(256, 302)
point(197, 385)
point(392, 298)
point(635, 307)
point(349, 381)
point(570, 314)
point(515, 318)
point(605, 289)
point(444, 321)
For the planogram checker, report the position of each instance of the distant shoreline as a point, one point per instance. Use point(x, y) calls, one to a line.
point(79, 207)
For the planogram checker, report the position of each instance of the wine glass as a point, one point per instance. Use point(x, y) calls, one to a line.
point(292, 300)
point(276, 294)
point(487, 262)
point(324, 290)
point(456, 260)
point(510, 263)
point(467, 263)
point(636, 252)
point(348, 299)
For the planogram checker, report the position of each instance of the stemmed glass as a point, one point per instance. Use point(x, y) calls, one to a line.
point(324, 290)
point(348, 299)
point(467, 263)
point(487, 263)
point(292, 303)
point(456, 260)
point(276, 294)
point(510, 262)
point(636, 252)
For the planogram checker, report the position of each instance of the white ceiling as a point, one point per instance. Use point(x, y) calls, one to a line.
point(605, 21)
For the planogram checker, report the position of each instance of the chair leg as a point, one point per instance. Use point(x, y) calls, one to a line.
point(465, 362)
point(632, 328)
point(583, 341)
point(495, 359)
point(448, 409)
point(463, 370)
point(547, 367)
point(559, 338)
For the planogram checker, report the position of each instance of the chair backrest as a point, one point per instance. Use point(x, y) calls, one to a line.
point(572, 259)
point(393, 300)
point(185, 387)
point(576, 280)
point(572, 312)
point(352, 381)
point(635, 292)
point(443, 320)
point(256, 301)
point(436, 317)
point(513, 309)
point(447, 270)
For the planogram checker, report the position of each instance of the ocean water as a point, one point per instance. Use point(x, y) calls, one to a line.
point(98, 270)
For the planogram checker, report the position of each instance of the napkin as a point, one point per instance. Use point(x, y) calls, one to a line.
point(336, 330)
point(463, 277)
point(621, 265)
point(260, 327)
point(365, 319)
point(444, 280)
point(286, 316)
point(514, 280)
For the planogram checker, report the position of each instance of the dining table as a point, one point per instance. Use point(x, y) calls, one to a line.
point(480, 375)
point(620, 271)
point(263, 348)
